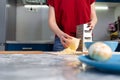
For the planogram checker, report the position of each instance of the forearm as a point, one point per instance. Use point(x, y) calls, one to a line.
point(93, 13)
point(54, 27)
point(52, 22)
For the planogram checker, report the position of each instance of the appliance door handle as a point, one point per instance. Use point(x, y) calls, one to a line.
point(27, 48)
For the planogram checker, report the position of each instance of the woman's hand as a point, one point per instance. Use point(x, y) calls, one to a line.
point(65, 39)
point(91, 24)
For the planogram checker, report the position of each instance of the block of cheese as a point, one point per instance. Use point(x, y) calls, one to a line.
point(74, 44)
point(72, 47)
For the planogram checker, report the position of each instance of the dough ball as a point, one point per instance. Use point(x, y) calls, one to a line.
point(100, 51)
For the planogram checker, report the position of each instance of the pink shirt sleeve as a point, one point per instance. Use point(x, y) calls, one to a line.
point(50, 2)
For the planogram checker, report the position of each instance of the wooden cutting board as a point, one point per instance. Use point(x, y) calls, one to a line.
point(21, 52)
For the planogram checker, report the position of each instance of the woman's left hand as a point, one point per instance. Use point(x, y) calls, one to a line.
point(91, 24)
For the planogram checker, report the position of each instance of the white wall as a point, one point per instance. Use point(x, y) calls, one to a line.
point(104, 18)
point(32, 25)
point(117, 12)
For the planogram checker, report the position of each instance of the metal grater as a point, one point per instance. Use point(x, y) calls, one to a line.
point(85, 35)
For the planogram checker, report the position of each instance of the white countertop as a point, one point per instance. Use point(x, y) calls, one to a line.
point(47, 67)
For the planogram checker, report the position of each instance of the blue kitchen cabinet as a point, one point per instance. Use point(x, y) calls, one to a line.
point(108, 0)
point(34, 47)
point(118, 48)
point(28, 47)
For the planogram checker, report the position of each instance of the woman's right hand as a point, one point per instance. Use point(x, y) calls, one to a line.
point(65, 39)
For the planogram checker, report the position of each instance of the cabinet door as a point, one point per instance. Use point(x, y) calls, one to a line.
point(2, 23)
point(2, 20)
point(29, 47)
